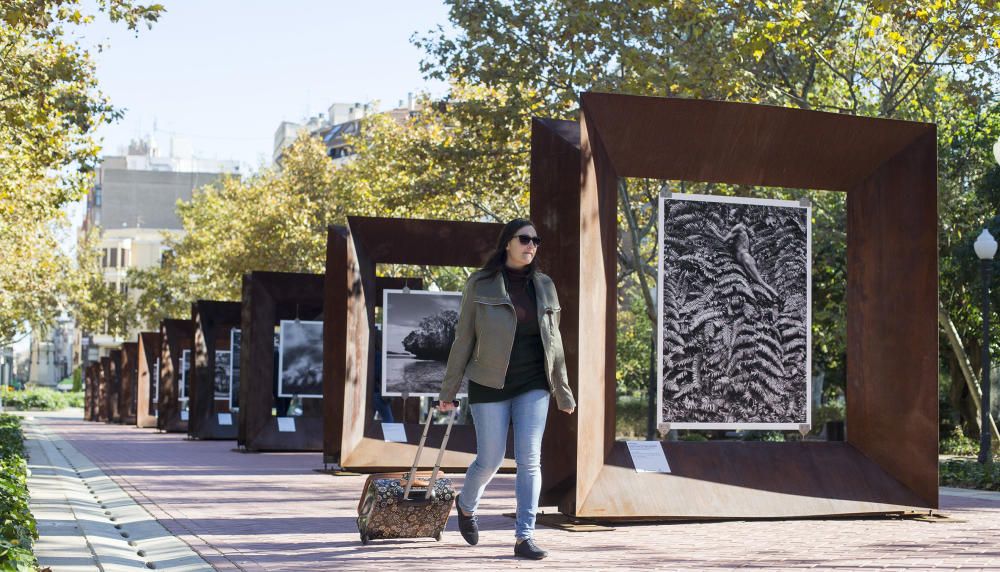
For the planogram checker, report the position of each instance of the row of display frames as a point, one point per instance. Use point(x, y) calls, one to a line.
point(575, 168)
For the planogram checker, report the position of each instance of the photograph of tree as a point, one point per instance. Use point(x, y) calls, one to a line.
point(222, 367)
point(300, 359)
point(418, 329)
point(734, 313)
point(234, 369)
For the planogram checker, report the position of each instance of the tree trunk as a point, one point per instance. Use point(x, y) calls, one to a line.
point(963, 361)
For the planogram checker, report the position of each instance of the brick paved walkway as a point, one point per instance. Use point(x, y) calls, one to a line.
point(275, 512)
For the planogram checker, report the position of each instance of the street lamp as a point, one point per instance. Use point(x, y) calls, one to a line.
point(986, 249)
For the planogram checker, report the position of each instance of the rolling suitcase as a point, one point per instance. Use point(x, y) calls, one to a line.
point(395, 506)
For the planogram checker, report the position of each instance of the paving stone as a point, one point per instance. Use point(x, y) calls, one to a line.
point(273, 511)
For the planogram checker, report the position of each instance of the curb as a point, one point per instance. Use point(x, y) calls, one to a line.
point(87, 522)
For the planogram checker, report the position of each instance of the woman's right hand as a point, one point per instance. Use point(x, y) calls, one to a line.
point(445, 406)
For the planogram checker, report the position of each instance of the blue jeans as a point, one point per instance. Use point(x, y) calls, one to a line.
point(527, 412)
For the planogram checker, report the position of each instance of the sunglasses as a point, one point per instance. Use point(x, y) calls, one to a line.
point(525, 239)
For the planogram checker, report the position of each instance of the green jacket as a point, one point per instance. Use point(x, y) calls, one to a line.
point(485, 332)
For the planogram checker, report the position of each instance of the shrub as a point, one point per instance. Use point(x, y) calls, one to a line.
point(969, 474)
point(43, 399)
point(958, 444)
point(630, 420)
point(74, 399)
point(18, 531)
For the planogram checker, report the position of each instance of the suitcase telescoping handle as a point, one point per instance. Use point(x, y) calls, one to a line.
point(420, 449)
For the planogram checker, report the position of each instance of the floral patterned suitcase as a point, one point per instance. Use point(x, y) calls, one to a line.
point(393, 507)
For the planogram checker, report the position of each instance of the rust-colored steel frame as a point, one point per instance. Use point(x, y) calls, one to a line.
point(213, 322)
point(103, 375)
point(114, 385)
point(268, 298)
point(90, 391)
point(127, 397)
point(555, 204)
point(888, 171)
point(352, 256)
point(175, 337)
point(333, 403)
point(150, 348)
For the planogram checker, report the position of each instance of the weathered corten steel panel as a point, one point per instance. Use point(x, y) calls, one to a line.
point(90, 391)
point(334, 334)
point(888, 170)
point(892, 301)
point(213, 322)
point(175, 337)
point(104, 374)
point(353, 254)
point(150, 347)
point(129, 382)
point(555, 197)
point(114, 384)
point(268, 298)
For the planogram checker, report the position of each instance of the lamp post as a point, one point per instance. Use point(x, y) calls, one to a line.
point(986, 249)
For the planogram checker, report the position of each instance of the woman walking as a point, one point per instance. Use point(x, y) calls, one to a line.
point(507, 344)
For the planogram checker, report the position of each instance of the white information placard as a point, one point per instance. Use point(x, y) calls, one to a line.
point(394, 432)
point(225, 419)
point(648, 456)
point(286, 424)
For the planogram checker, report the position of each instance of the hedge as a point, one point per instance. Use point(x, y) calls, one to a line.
point(18, 531)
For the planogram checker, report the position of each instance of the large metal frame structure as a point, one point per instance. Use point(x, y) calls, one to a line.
point(103, 377)
point(113, 381)
point(150, 349)
point(213, 322)
point(351, 295)
point(268, 298)
point(129, 383)
point(91, 380)
point(175, 337)
point(887, 170)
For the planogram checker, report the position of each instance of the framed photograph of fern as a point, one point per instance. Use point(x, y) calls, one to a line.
point(734, 313)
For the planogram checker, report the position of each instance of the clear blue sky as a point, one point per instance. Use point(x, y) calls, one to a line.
point(224, 73)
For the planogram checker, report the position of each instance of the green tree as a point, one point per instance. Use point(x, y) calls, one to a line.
point(926, 61)
point(273, 220)
point(49, 109)
point(96, 305)
point(443, 162)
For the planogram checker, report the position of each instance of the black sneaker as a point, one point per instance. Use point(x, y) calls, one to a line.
point(467, 525)
point(528, 549)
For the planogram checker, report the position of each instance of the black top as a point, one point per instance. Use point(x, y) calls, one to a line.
point(526, 369)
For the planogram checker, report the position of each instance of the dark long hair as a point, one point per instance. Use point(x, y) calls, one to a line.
point(498, 258)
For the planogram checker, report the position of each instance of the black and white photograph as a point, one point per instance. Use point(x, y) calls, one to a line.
point(222, 367)
point(418, 328)
point(300, 359)
point(156, 381)
point(734, 313)
point(185, 372)
point(234, 368)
